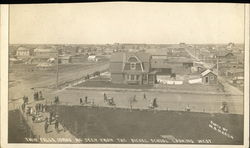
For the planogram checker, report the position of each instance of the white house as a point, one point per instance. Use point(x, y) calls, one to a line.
point(92, 58)
point(23, 52)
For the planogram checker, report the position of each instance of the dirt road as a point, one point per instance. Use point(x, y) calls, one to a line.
point(21, 83)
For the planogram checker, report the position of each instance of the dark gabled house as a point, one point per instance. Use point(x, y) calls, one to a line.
point(131, 68)
point(209, 77)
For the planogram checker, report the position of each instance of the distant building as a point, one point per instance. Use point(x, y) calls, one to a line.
point(23, 52)
point(234, 72)
point(93, 58)
point(43, 55)
point(208, 77)
point(168, 65)
point(65, 59)
point(224, 55)
point(44, 66)
point(131, 68)
point(238, 80)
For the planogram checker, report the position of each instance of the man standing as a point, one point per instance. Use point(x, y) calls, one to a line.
point(46, 125)
point(50, 117)
point(105, 97)
point(56, 125)
point(86, 100)
point(80, 100)
point(40, 95)
point(155, 103)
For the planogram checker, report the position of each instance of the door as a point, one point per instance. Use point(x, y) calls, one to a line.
point(206, 79)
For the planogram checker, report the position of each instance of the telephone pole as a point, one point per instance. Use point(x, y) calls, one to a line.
point(57, 69)
point(217, 61)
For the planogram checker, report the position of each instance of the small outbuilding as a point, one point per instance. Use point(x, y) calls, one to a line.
point(93, 58)
point(209, 77)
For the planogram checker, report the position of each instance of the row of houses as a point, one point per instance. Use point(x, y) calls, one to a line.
point(142, 68)
point(50, 55)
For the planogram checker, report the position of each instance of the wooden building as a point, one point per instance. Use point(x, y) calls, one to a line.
point(131, 68)
point(209, 77)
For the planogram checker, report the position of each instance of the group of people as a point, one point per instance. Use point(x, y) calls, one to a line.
point(36, 110)
point(41, 107)
point(36, 113)
point(48, 122)
point(86, 101)
point(109, 101)
point(38, 96)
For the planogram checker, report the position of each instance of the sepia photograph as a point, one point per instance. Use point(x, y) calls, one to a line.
point(127, 73)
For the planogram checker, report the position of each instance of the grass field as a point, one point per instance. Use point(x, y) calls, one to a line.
point(101, 122)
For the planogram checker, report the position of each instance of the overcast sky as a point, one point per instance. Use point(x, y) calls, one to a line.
point(103, 23)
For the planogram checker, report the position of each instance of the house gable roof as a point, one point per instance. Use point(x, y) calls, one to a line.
point(118, 60)
point(22, 49)
point(206, 72)
point(124, 56)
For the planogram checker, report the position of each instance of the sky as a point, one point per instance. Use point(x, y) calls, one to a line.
point(124, 22)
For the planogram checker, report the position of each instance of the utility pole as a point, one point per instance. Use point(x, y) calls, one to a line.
point(217, 61)
point(57, 68)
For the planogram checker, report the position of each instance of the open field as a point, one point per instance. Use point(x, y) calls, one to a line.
point(22, 81)
point(96, 122)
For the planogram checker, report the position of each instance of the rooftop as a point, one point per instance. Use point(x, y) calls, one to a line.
point(22, 49)
point(206, 72)
point(44, 50)
point(120, 56)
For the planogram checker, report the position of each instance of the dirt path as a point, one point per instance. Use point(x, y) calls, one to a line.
point(27, 81)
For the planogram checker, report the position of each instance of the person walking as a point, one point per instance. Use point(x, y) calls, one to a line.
point(33, 118)
point(23, 107)
point(50, 117)
point(81, 101)
point(56, 125)
point(105, 97)
point(86, 100)
point(155, 103)
point(46, 125)
point(36, 107)
point(188, 109)
point(144, 96)
point(27, 100)
point(40, 95)
point(24, 99)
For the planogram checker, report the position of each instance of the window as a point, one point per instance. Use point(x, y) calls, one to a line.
point(132, 66)
point(132, 77)
point(211, 77)
point(132, 59)
point(137, 77)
